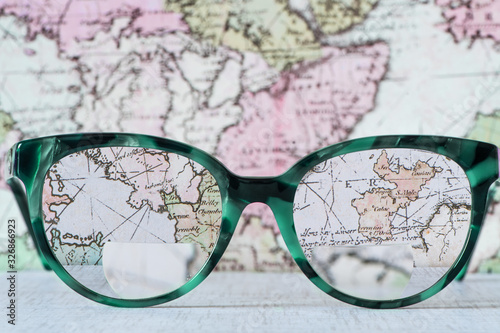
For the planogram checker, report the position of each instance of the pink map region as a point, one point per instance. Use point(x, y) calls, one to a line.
point(314, 104)
point(69, 21)
point(474, 19)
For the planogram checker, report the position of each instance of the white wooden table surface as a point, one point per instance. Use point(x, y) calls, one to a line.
point(251, 302)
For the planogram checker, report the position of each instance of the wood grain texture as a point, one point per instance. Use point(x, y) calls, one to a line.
point(252, 302)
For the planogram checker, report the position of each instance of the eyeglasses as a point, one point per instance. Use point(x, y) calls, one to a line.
point(133, 220)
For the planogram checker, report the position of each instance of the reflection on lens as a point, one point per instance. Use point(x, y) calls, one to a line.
point(361, 218)
point(131, 223)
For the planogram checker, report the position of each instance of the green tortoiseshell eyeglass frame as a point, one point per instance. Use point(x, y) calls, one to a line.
point(31, 165)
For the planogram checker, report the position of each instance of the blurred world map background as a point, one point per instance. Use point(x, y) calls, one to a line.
point(257, 83)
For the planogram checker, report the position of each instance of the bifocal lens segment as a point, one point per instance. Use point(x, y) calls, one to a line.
point(131, 223)
point(383, 224)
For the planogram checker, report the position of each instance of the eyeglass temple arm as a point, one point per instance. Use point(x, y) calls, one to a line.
point(19, 192)
point(463, 272)
point(20, 196)
point(491, 196)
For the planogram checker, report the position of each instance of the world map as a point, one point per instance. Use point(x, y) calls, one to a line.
point(258, 84)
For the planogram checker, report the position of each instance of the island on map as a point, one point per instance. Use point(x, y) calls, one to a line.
point(377, 207)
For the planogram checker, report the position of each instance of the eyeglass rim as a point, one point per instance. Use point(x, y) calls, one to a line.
point(31, 159)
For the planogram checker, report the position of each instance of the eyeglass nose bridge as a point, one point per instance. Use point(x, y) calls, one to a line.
point(276, 192)
point(247, 190)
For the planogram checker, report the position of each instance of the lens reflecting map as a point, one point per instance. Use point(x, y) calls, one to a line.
point(131, 195)
point(414, 204)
